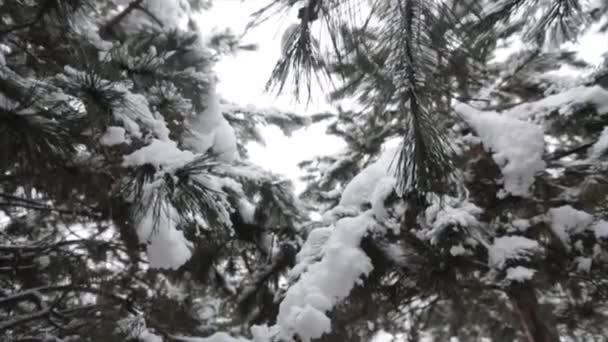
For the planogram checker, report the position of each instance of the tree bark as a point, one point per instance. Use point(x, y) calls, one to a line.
point(535, 327)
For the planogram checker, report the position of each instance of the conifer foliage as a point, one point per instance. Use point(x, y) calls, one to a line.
point(469, 204)
point(117, 162)
point(481, 223)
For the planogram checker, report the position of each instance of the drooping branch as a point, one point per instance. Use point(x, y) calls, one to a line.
point(424, 164)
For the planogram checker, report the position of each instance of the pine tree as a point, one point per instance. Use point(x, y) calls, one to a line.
point(128, 209)
point(127, 213)
point(488, 220)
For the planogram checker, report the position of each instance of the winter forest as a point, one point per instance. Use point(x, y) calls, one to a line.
point(469, 202)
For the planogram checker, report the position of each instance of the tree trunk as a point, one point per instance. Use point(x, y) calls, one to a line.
point(534, 327)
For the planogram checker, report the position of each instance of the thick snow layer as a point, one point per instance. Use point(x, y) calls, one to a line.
point(566, 220)
point(224, 142)
point(147, 336)
point(204, 124)
point(303, 310)
point(601, 145)
point(511, 248)
point(331, 262)
point(264, 333)
point(583, 264)
point(564, 102)
point(113, 136)
point(247, 210)
point(159, 153)
point(166, 246)
point(600, 229)
point(457, 250)
point(520, 273)
point(260, 333)
point(210, 131)
point(517, 147)
point(361, 188)
point(521, 224)
point(449, 212)
point(384, 187)
point(370, 187)
point(312, 250)
point(134, 113)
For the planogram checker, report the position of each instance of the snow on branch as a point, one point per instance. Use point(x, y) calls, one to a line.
point(303, 312)
point(507, 248)
point(517, 146)
point(564, 103)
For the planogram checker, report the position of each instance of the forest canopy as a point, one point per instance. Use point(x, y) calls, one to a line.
point(469, 204)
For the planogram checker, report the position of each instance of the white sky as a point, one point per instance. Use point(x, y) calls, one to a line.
point(242, 79)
